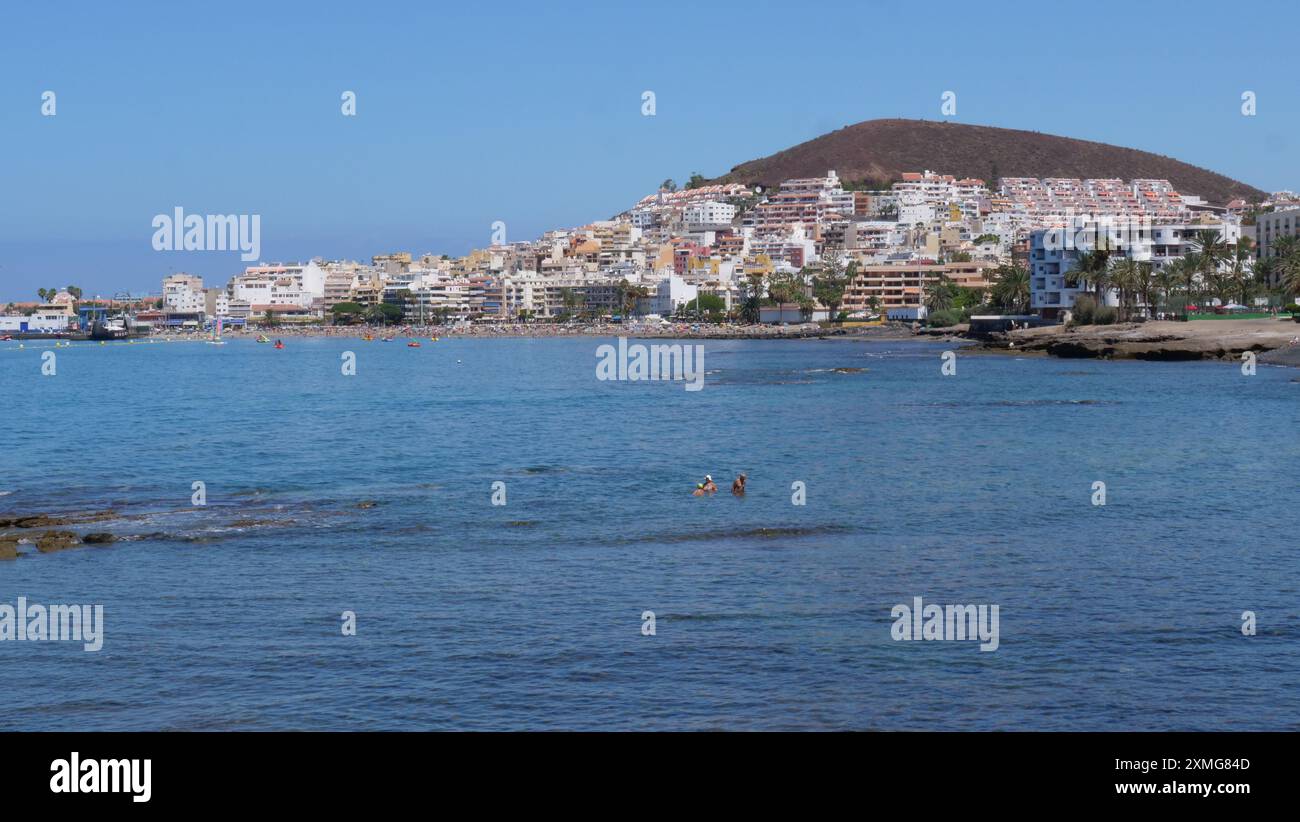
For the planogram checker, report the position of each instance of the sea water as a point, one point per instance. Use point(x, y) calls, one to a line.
point(373, 494)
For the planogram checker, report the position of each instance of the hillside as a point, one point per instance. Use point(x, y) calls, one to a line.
point(881, 150)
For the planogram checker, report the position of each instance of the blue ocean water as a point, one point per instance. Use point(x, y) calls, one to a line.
point(974, 488)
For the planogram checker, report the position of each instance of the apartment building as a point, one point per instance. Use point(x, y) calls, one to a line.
point(1054, 253)
point(183, 294)
point(708, 214)
point(1273, 226)
point(903, 286)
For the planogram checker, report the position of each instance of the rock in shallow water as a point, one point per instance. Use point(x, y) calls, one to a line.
point(52, 541)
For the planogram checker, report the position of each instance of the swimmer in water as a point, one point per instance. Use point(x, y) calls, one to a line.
point(708, 484)
point(738, 487)
point(699, 490)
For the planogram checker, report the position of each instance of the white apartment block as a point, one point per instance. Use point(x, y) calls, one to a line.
point(1273, 226)
point(183, 294)
point(1054, 253)
point(279, 284)
point(699, 216)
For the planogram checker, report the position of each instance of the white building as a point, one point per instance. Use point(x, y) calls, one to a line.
point(183, 294)
point(46, 319)
point(671, 292)
point(1054, 253)
point(710, 213)
point(1273, 226)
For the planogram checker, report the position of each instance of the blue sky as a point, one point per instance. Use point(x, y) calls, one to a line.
point(531, 113)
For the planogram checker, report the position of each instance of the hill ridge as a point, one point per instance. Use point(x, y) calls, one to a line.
point(881, 150)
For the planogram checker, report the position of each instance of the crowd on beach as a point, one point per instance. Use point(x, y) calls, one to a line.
point(489, 330)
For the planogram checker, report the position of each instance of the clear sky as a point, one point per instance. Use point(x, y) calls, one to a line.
point(530, 113)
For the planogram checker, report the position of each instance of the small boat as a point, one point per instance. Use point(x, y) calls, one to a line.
point(279, 344)
point(262, 338)
point(216, 334)
point(367, 337)
point(385, 339)
point(413, 344)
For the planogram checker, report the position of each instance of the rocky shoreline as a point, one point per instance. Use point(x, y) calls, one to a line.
point(41, 532)
point(1276, 341)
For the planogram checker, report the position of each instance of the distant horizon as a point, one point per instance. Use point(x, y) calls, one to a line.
point(465, 116)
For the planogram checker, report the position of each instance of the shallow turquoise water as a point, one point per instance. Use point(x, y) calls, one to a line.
point(974, 488)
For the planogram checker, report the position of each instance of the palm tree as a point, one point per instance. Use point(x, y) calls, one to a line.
point(1240, 272)
point(750, 312)
point(1123, 276)
point(1286, 257)
point(1211, 248)
point(1263, 273)
point(1090, 267)
point(939, 294)
point(1211, 251)
point(629, 295)
point(1011, 289)
point(1188, 271)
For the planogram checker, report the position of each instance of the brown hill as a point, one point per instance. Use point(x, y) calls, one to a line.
point(881, 150)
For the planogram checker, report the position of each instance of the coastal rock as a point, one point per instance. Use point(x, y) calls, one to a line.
point(1165, 341)
point(1289, 356)
point(367, 503)
point(51, 541)
point(99, 538)
point(50, 520)
point(8, 546)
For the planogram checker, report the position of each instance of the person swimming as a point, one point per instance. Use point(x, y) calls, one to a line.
point(738, 487)
point(699, 490)
point(708, 484)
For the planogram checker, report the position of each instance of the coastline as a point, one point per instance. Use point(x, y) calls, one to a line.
point(676, 331)
point(1276, 342)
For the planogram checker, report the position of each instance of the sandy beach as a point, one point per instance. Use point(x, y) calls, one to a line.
point(543, 330)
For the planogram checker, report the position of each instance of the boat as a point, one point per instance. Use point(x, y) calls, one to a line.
point(367, 337)
point(262, 338)
point(103, 330)
point(216, 334)
point(413, 344)
point(279, 344)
